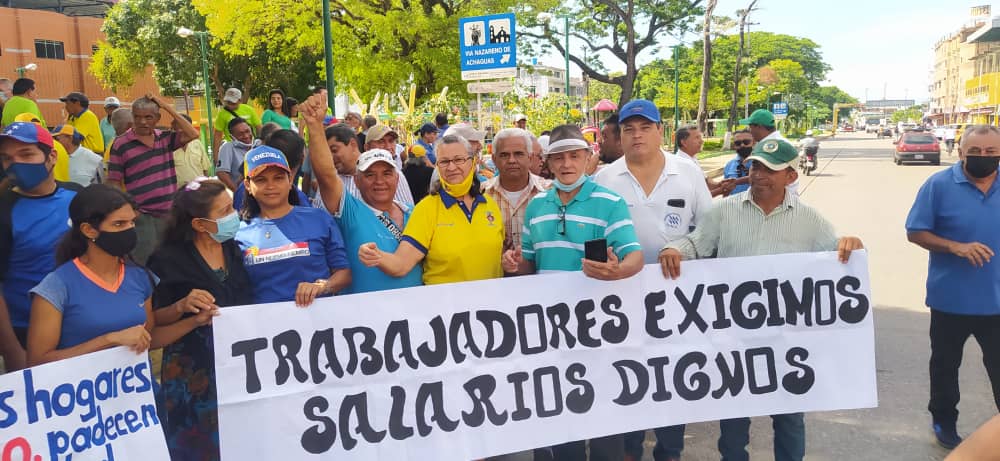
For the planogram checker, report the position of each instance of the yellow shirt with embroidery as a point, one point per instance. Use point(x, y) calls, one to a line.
point(458, 245)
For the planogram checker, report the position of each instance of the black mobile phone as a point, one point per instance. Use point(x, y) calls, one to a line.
point(676, 203)
point(596, 250)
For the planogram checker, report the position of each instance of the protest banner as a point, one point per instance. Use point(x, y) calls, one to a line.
point(464, 371)
point(97, 406)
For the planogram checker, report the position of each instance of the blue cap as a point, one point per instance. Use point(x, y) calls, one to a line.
point(639, 107)
point(28, 133)
point(427, 128)
point(261, 157)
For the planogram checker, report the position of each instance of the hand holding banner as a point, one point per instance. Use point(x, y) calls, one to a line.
point(98, 406)
point(464, 371)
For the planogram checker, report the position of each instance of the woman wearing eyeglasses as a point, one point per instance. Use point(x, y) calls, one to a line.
point(457, 232)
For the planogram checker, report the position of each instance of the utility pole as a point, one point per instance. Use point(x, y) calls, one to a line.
point(736, 74)
point(331, 89)
point(677, 89)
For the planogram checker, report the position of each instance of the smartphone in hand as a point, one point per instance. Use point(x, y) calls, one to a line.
point(596, 250)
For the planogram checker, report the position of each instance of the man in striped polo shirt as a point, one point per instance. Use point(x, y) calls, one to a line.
point(142, 162)
point(557, 225)
point(766, 220)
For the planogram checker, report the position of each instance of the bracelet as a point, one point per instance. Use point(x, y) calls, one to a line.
point(323, 283)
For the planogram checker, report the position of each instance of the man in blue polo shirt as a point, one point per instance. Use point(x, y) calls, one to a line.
point(374, 217)
point(557, 225)
point(34, 215)
point(956, 217)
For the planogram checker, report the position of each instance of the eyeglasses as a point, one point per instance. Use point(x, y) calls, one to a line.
point(745, 142)
point(459, 162)
point(562, 220)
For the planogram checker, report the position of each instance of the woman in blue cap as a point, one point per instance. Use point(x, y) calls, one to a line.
point(292, 253)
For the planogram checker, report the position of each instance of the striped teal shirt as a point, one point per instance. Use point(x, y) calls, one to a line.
point(736, 226)
point(554, 234)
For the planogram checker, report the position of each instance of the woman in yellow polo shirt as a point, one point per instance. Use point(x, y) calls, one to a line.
point(457, 232)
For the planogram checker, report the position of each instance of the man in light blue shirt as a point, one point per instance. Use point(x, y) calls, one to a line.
point(372, 216)
point(956, 217)
point(738, 169)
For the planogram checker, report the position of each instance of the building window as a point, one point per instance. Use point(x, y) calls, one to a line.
point(49, 49)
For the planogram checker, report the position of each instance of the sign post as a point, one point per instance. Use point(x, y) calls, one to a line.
point(488, 47)
point(780, 110)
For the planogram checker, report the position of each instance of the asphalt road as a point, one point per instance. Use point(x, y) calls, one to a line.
point(859, 189)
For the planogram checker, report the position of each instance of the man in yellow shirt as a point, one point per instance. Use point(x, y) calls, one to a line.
point(85, 122)
point(61, 171)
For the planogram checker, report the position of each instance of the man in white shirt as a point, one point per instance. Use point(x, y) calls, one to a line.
point(667, 196)
point(689, 142)
point(85, 166)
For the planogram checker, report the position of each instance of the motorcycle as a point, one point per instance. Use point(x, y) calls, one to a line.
point(807, 160)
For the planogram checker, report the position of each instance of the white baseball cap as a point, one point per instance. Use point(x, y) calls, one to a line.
point(371, 157)
point(112, 101)
point(466, 131)
point(233, 95)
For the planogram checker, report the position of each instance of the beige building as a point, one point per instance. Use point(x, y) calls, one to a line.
point(954, 65)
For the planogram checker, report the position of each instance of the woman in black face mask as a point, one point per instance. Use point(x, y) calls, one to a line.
point(97, 297)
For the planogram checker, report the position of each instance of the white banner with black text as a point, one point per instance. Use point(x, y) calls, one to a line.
point(463, 371)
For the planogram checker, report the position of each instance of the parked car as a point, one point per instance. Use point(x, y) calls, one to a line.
point(848, 128)
point(917, 146)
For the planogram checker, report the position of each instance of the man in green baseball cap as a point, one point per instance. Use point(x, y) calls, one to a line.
point(761, 125)
point(768, 219)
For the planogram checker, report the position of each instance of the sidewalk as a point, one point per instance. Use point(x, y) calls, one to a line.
point(713, 166)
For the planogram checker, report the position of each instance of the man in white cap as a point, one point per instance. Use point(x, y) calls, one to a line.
point(111, 104)
point(583, 209)
point(232, 107)
point(521, 121)
point(372, 216)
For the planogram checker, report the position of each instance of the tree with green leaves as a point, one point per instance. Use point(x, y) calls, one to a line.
point(140, 32)
point(912, 114)
point(624, 29)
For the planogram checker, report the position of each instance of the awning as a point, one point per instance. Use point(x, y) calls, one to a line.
point(990, 32)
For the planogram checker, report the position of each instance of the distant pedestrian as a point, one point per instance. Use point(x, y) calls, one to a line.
point(22, 101)
point(277, 111)
point(142, 163)
point(84, 120)
point(85, 166)
point(955, 217)
point(111, 104)
point(192, 161)
point(233, 107)
point(232, 152)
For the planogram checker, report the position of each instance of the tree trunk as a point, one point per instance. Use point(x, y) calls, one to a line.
point(736, 74)
point(706, 67)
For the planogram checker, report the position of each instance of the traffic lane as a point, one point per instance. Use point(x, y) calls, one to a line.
point(861, 191)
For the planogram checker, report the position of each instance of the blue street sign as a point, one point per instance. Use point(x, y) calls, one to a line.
point(488, 47)
point(780, 108)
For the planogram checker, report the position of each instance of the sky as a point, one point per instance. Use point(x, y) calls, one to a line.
point(872, 45)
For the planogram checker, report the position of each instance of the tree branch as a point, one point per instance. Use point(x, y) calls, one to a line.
point(586, 68)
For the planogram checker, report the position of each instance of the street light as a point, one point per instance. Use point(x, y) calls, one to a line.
point(21, 70)
point(546, 18)
point(184, 32)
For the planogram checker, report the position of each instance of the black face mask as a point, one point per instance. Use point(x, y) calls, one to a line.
point(980, 166)
point(118, 243)
point(744, 151)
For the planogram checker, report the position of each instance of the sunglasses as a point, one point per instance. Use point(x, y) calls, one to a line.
point(745, 142)
point(562, 220)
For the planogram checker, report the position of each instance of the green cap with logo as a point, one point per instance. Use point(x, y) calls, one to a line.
point(775, 154)
point(762, 117)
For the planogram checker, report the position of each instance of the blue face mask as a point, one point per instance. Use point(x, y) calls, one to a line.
point(228, 225)
point(570, 187)
point(28, 176)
